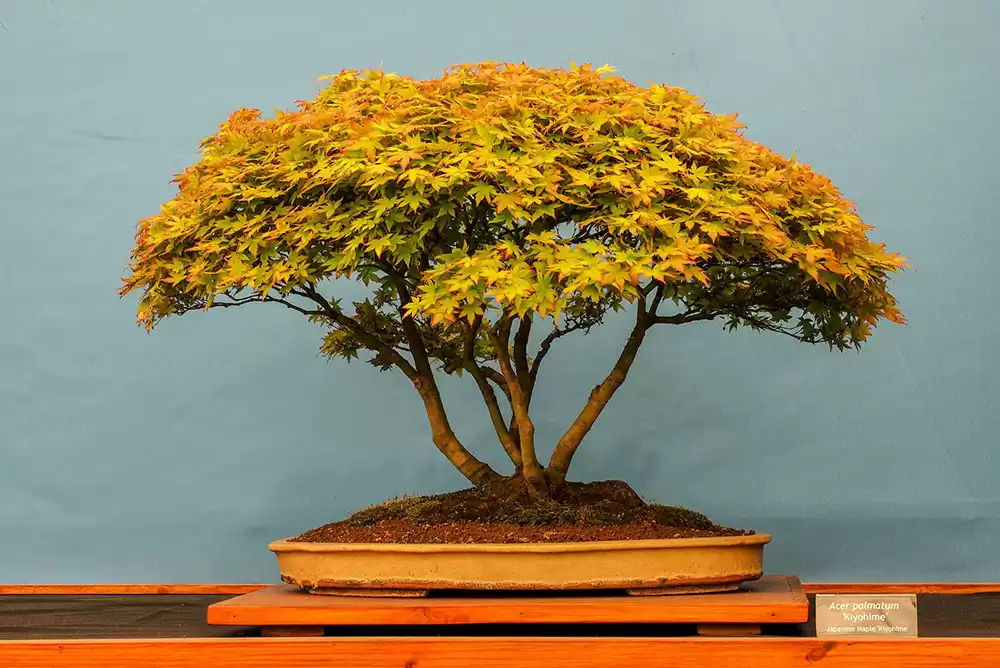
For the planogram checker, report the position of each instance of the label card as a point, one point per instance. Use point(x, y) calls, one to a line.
point(869, 616)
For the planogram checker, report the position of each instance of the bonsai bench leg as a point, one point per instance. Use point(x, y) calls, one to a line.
point(291, 631)
point(729, 629)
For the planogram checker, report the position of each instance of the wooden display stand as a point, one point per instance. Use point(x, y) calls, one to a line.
point(102, 626)
point(286, 611)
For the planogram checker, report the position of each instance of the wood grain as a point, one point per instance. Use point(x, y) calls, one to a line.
point(237, 589)
point(106, 616)
point(128, 589)
point(177, 616)
point(389, 652)
point(770, 600)
point(901, 588)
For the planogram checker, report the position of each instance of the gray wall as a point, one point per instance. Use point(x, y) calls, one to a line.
point(176, 457)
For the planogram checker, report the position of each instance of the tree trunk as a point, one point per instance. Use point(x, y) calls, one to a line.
point(599, 397)
point(422, 376)
point(519, 487)
point(477, 472)
point(508, 440)
point(531, 468)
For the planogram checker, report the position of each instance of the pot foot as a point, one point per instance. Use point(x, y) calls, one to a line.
point(684, 589)
point(368, 593)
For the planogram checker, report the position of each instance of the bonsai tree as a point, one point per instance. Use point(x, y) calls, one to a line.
point(496, 210)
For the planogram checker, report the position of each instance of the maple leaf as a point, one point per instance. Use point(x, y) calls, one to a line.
point(503, 189)
point(714, 229)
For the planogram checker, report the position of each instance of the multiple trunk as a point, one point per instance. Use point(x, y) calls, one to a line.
point(516, 380)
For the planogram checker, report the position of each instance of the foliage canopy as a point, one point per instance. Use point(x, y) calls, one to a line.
point(501, 194)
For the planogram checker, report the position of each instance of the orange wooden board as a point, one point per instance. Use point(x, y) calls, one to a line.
point(126, 589)
point(188, 589)
point(770, 600)
point(393, 652)
point(954, 588)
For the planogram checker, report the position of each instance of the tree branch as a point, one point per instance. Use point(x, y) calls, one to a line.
point(543, 350)
point(417, 348)
point(370, 341)
point(585, 234)
point(496, 416)
point(521, 355)
point(240, 301)
point(500, 337)
point(681, 318)
point(657, 298)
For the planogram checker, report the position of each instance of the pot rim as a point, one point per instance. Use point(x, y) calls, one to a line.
point(287, 545)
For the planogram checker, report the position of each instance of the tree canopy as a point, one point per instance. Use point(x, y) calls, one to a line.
point(500, 195)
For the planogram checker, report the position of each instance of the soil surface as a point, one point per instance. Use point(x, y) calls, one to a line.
point(608, 510)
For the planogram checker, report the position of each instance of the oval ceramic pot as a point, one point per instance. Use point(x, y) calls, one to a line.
point(670, 566)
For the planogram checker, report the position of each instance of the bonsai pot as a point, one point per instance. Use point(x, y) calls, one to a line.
point(667, 566)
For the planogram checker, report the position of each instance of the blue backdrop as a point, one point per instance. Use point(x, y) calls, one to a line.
point(176, 457)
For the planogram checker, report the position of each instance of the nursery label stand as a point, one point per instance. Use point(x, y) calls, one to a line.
point(284, 610)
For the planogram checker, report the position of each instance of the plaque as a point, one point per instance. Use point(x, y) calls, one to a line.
point(866, 616)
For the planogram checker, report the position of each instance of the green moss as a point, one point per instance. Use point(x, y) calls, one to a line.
point(395, 508)
point(681, 517)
